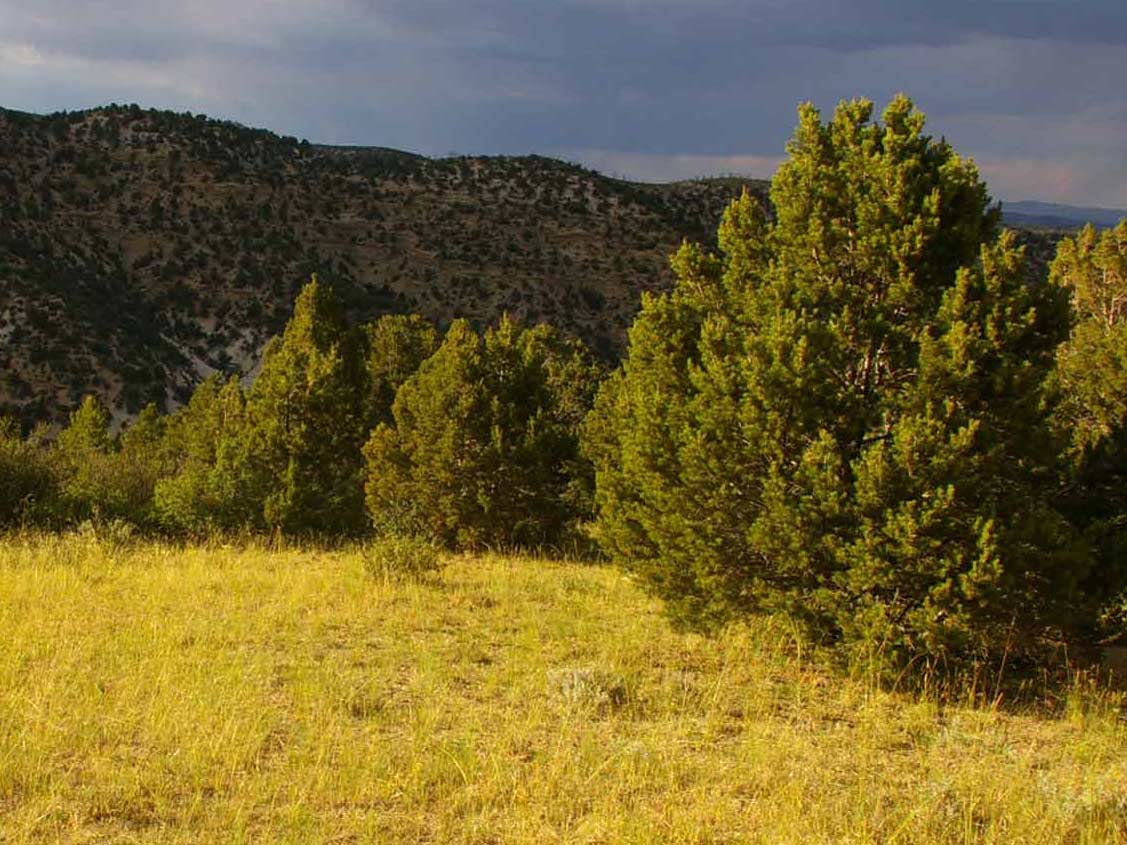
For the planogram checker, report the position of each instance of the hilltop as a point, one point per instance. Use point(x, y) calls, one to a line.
point(142, 250)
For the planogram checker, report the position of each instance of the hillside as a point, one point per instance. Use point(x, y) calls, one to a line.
point(142, 250)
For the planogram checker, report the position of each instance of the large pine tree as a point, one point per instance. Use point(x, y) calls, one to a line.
point(841, 416)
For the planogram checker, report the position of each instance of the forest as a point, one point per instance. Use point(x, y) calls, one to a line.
point(861, 413)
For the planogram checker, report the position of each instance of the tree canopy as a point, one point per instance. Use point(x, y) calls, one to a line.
point(305, 415)
point(860, 410)
point(1092, 416)
point(841, 416)
point(484, 446)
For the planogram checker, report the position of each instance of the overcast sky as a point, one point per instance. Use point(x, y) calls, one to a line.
point(1034, 90)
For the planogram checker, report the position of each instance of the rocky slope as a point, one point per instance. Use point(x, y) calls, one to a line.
point(142, 250)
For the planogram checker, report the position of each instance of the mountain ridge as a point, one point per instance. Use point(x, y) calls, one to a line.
point(141, 250)
point(1053, 215)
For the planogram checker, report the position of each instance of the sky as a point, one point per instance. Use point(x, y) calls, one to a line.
point(1033, 90)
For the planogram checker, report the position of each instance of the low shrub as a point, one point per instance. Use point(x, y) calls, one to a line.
point(587, 688)
point(402, 558)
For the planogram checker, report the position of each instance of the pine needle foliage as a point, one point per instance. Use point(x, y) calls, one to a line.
point(305, 413)
point(1092, 378)
point(484, 446)
point(842, 415)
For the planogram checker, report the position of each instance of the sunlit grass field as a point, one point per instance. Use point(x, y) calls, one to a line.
point(157, 694)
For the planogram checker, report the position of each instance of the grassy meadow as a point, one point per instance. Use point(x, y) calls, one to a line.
point(151, 693)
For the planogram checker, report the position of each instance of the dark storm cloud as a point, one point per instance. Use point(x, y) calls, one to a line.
point(648, 87)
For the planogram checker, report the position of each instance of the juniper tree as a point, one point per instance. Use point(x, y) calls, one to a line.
point(1092, 378)
point(306, 426)
point(141, 461)
point(213, 484)
point(396, 346)
point(841, 415)
point(88, 429)
point(99, 476)
point(484, 446)
point(82, 454)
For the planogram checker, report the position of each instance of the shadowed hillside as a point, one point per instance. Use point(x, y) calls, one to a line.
point(142, 250)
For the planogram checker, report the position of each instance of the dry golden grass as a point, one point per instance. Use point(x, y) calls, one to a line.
point(155, 694)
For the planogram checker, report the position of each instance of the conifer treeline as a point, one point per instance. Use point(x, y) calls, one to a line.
point(470, 439)
point(862, 413)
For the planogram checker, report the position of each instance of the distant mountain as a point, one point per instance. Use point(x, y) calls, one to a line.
point(142, 250)
point(1049, 215)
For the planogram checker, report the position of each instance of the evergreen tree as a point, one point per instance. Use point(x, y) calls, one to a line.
point(87, 431)
point(1092, 270)
point(484, 447)
point(101, 477)
point(306, 425)
point(213, 484)
point(397, 345)
point(83, 451)
point(423, 471)
point(841, 417)
point(141, 461)
point(1092, 378)
point(28, 483)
